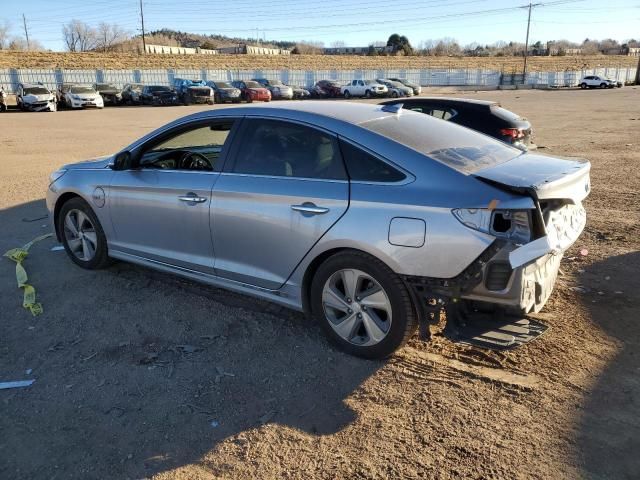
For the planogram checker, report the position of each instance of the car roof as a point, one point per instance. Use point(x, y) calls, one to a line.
point(447, 100)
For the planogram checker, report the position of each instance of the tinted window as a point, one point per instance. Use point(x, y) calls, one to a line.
point(504, 114)
point(460, 148)
point(197, 148)
point(364, 167)
point(283, 149)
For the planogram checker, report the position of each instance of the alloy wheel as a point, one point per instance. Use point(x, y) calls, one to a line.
point(80, 235)
point(357, 307)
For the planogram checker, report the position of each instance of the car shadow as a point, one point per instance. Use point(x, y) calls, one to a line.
point(138, 372)
point(609, 431)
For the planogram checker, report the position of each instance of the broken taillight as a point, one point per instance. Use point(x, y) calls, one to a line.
point(513, 133)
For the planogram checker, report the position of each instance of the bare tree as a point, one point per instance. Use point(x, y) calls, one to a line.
point(79, 37)
point(4, 35)
point(110, 34)
point(338, 44)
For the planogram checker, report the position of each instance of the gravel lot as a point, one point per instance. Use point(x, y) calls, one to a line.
point(143, 375)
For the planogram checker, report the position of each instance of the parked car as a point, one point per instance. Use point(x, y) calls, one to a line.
point(193, 91)
point(484, 116)
point(79, 96)
point(131, 93)
point(393, 211)
point(396, 89)
point(326, 89)
point(3, 100)
point(364, 88)
point(35, 98)
point(110, 94)
point(417, 89)
point(594, 81)
point(252, 91)
point(300, 93)
point(225, 92)
point(158, 95)
point(279, 91)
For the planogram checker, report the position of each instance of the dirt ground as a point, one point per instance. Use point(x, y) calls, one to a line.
point(143, 375)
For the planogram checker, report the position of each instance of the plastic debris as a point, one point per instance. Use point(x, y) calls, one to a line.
point(57, 248)
point(578, 289)
point(584, 252)
point(16, 384)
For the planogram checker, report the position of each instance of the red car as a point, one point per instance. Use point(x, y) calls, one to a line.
point(326, 89)
point(252, 91)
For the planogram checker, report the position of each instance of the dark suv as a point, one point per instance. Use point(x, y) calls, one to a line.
point(193, 91)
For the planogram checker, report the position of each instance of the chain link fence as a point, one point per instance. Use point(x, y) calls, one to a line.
point(51, 78)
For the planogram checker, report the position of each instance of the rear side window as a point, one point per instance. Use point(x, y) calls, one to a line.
point(284, 149)
point(364, 167)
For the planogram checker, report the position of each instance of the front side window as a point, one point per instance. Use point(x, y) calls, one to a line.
point(283, 149)
point(197, 148)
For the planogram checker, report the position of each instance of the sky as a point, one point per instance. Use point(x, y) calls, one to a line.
point(354, 22)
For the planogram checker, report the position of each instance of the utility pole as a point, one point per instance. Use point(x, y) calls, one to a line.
point(526, 46)
point(26, 32)
point(144, 40)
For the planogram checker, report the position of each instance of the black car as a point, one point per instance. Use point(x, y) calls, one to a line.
point(485, 116)
point(225, 92)
point(326, 89)
point(300, 93)
point(110, 94)
point(158, 95)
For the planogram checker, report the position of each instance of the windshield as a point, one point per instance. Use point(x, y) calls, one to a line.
point(457, 147)
point(253, 85)
point(106, 86)
point(82, 90)
point(222, 85)
point(159, 88)
point(36, 91)
point(196, 83)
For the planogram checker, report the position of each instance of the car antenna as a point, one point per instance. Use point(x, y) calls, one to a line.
point(393, 108)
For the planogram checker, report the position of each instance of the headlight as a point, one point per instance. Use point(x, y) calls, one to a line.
point(56, 175)
point(512, 225)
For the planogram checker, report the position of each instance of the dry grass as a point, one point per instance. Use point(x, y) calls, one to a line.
point(299, 62)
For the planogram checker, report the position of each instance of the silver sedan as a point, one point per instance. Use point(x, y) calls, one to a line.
point(364, 216)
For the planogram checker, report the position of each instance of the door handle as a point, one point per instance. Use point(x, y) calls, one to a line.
point(192, 198)
point(309, 208)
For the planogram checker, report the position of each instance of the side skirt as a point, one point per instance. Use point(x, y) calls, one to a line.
point(276, 296)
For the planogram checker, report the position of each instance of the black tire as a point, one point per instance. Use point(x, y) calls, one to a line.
point(367, 94)
point(603, 85)
point(404, 320)
point(394, 94)
point(583, 85)
point(187, 99)
point(347, 94)
point(3, 107)
point(101, 257)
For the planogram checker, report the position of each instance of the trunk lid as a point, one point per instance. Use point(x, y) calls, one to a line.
point(544, 177)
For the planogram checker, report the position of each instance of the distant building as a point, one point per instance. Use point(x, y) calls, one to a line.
point(166, 50)
point(253, 50)
point(633, 51)
point(355, 50)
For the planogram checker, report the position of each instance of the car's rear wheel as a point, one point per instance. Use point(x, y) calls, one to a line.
point(362, 305)
point(347, 94)
point(394, 94)
point(603, 85)
point(583, 85)
point(82, 235)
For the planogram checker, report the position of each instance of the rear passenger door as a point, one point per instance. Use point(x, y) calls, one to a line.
point(284, 186)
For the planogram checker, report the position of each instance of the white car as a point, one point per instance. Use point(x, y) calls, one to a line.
point(593, 81)
point(364, 88)
point(35, 98)
point(81, 96)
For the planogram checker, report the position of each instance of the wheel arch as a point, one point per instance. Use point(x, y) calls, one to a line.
point(62, 199)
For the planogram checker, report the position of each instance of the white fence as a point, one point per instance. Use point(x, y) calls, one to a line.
point(11, 78)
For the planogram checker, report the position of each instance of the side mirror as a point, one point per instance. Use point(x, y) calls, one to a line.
point(122, 161)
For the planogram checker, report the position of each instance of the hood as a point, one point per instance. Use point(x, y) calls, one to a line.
point(37, 98)
point(100, 162)
point(544, 177)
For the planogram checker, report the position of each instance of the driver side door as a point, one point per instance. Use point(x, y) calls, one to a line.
point(159, 208)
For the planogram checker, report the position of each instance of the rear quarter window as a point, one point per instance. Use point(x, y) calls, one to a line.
point(364, 167)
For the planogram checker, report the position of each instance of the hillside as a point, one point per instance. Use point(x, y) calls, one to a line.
point(74, 61)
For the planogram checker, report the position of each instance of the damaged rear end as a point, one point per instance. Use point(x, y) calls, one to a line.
point(523, 263)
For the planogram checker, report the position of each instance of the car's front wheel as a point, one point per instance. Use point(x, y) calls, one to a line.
point(362, 305)
point(583, 85)
point(82, 235)
point(347, 94)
